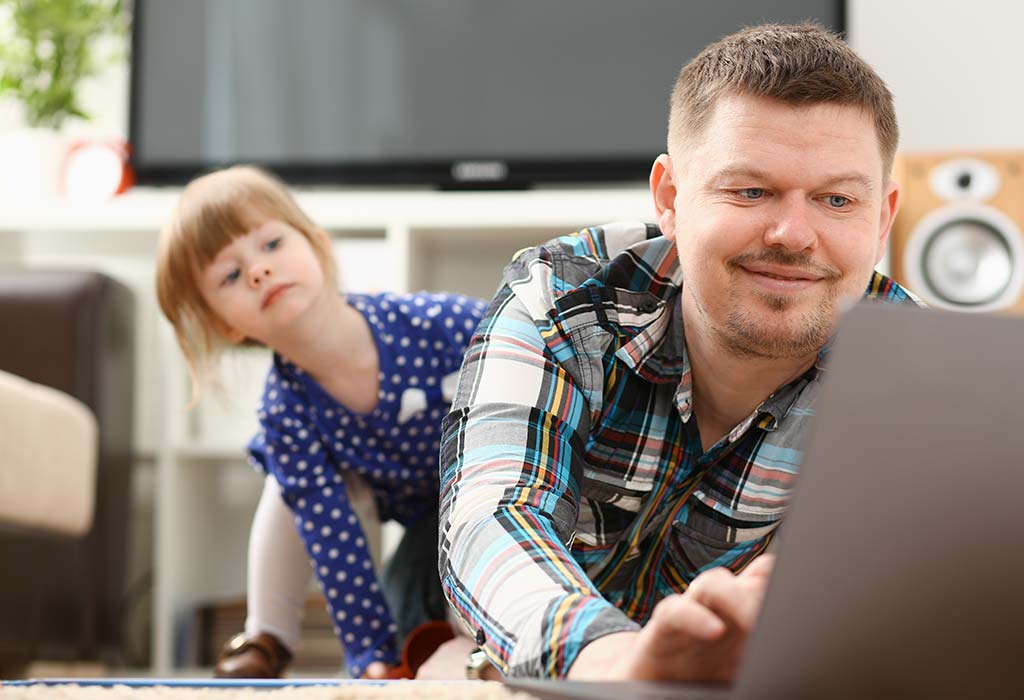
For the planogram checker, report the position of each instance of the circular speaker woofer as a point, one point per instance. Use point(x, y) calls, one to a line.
point(967, 263)
point(966, 257)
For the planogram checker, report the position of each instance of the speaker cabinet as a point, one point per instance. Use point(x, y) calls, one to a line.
point(957, 240)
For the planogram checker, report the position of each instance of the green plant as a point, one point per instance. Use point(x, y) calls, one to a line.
point(49, 48)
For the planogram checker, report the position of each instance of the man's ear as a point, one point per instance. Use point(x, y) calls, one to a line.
point(663, 188)
point(890, 207)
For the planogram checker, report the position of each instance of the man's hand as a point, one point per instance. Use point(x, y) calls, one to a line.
point(449, 663)
point(698, 636)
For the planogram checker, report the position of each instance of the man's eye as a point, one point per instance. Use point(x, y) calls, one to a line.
point(837, 201)
point(273, 243)
point(751, 193)
point(230, 277)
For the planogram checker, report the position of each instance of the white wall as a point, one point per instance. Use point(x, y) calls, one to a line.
point(956, 68)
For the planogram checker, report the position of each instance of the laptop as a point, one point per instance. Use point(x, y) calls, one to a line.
point(900, 570)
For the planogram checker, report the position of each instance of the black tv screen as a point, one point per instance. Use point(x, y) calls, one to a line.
point(436, 92)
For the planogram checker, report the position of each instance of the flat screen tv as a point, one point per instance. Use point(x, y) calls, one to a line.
point(500, 93)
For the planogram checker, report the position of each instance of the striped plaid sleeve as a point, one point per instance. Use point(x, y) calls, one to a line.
point(510, 482)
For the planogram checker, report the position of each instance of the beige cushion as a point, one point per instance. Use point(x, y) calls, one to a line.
point(48, 446)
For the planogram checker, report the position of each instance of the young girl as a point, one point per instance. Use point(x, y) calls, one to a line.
point(352, 404)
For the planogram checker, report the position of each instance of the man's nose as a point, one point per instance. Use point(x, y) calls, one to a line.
point(793, 228)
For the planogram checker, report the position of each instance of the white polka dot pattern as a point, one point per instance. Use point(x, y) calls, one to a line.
point(307, 438)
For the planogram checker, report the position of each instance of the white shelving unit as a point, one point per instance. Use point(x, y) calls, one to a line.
point(397, 240)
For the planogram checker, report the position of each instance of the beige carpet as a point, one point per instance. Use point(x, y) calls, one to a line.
point(411, 690)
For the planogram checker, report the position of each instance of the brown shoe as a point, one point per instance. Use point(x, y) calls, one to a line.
point(262, 656)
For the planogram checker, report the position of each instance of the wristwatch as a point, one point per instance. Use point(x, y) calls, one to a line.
point(476, 663)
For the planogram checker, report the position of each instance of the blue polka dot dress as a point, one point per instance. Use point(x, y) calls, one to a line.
point(307, 438)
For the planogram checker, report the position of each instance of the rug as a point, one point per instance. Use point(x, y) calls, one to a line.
point(395, 690)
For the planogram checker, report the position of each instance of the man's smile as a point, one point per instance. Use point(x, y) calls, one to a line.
point(779, 278)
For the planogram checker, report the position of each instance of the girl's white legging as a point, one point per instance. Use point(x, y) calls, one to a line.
point(279, 568)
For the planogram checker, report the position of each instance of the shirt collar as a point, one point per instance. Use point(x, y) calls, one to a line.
point(652, 318)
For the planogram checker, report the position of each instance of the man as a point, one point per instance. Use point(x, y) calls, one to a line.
point(631, 414)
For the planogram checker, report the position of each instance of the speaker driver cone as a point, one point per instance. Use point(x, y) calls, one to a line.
point(967, 263)
point(966, 257)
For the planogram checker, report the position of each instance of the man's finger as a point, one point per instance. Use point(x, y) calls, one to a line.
point(735, 601)
point(679, 619)
point(761, 567)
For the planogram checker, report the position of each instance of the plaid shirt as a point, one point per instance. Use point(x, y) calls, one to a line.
point(575, 493)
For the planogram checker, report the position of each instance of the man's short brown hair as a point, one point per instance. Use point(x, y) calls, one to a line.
point(802, 64)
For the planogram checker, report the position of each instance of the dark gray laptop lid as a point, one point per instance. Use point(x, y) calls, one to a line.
point(901, 561)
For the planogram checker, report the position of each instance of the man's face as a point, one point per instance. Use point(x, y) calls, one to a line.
point(778, 213)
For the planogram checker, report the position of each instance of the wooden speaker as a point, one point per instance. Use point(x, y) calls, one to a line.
point(957, 240)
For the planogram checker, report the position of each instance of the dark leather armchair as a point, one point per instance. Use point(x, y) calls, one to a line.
point(61, 596)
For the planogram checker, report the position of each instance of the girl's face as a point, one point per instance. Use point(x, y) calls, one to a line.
point(262, 282)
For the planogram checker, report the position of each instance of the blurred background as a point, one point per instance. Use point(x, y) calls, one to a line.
point(429, 163)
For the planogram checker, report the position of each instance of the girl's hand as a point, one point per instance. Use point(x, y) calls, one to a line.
point(378, 671)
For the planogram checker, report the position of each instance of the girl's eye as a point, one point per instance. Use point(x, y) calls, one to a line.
point(837, 201)
point(751, 193)
point(273, 243)
point(230, 277)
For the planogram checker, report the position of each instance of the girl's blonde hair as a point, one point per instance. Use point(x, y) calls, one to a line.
point(213, 210)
